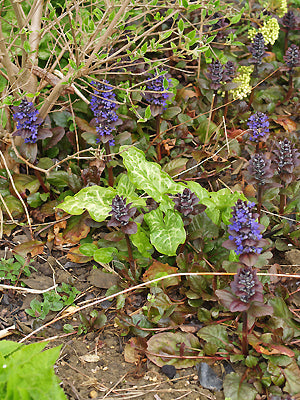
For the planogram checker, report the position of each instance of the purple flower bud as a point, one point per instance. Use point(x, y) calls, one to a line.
point(289, 20)
point(292, 57)
point(215, 74)
point(245, 233)
point(29, 123)
point(259, 125)
point(229, 71)
point(121, 213)
point(286, 157)
point(257, 48)
point(185, 202)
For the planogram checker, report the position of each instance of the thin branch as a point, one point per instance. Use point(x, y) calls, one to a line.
point(17, 193)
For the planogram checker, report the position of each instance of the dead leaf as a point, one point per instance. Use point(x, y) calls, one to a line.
point(76, 256)
point(288, 124)
point(34, 247)
point(157, 270)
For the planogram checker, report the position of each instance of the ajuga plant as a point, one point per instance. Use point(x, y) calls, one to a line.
point(103, 104)
point(157, 95)
point(215, 74)
point(288, 21)
point(229, 74)
point(29, 126)
point(286, 158)
point(292, 60)
point(258, 124)
point(260, 174)
point(187, 203)
point(120, 218)
point(246, 294)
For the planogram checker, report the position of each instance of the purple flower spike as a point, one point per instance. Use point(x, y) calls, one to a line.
point(292, 57)
point(103, 104)
point(257, 48)
point(286, 157)
point(156, 94)
point(260, 170)
point(259, 125)
point(289, 20)
point(245, 236)
point(215, 74)
point(121, 213)
point(29, 123)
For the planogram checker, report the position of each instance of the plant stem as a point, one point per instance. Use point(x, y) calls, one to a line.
point(158, 147)
point(226, 105)
point(282, 201)
point(291, 88)
point(40, 179)
point(215, 99)
point(130, 257)
point(259, 201)
point(245, 333)
point(286, 41)
point(109, 167)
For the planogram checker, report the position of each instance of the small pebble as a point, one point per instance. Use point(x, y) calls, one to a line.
point(169, 370)
point(93, 394)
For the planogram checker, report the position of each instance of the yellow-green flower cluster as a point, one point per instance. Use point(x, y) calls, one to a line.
point(270, 31)
point(277, 6)
point(283, 8)
point(243, 79)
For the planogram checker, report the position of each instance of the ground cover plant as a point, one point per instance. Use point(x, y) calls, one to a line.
point(149, 186)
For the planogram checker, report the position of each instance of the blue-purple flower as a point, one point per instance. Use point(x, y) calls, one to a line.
point(157, 95)
point(245, 236)
point(103, 104)
point(29, 124)
point(259, 125)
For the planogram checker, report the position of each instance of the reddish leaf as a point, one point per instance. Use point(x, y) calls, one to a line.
point(74, 230)
point(288, 124)
point(157, 270)
point(34, 247)
point(166, 344)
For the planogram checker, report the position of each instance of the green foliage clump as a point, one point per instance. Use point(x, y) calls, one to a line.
point(26, 372)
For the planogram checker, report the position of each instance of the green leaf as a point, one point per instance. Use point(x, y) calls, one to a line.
point(141, 241)
point(148, 176)
point(235, 19)
point(95, 199)
point(29, 374)
point(127, 189)
point(148, 112)
point(166, 232)
point(171, 112)
point(215, 334)
point(105, 255)
point(180, 26)
point(292, 373)
point(88, 249)
point(235, 389)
